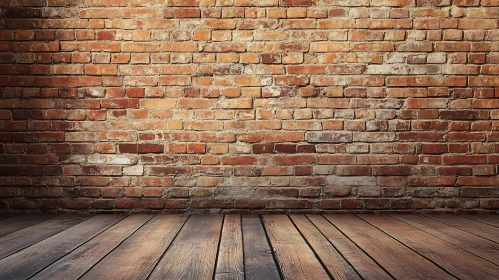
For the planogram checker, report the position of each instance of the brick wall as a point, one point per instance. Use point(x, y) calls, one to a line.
point(249, 105)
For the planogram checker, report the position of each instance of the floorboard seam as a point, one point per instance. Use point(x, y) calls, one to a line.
point(277, 265)
point(312, 249)
point(168, 247)
point(445, 240)
point(337, 250)
point(439, 266)
point(461, 229)
point(112, 250)
point(76, 248)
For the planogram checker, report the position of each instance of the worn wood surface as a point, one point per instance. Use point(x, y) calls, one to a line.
point(492, 220)
point(29, 261)
point(22, 221)
point(137, 256)
point(5, 216)
point(400, 261)
point(193, 253)
point(452, 259)
point(472, 243)
point(474, 227)
point(295, 257)
point(362, 263)
point(249, 247)
point(23, 238)
point(258, 260)
point(230, 255)
point(83, 258)
point(337, 266)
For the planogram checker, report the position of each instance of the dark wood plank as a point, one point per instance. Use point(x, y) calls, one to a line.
point(75, 264)
point(456, 261)
point(492, 220)
point(193, 253)
point(475, 227)
point(136, 257)
point(5, 216)
point(23, 238)
point(230, 254)
point(337, 266)
point(364, 265)
point(474, 244)
point(400, 261)
point(22, 221)
point(296, 259)
point(258, 260)
point(29, 261)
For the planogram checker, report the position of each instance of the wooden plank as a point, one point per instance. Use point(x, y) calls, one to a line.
point(22, 221)
point(230, 255)
point(400, 261)
point(337, 266)
point(296, 259)
point(193, 253)
point(136, 257)
point(474, 244)
point(258, 260)
point(5, 216)
point(23, 238)
point(475, 227)
point(75, 264)
point(29, 261)
point(492, 220)
point(454, 260)
point(364, 265)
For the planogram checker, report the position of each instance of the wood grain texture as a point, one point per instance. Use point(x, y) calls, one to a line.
point(337, 266)
point(258, 260)
point(474, 244)
point(22, 221)
point(474, 227)
point(230, 254)
point(29, 261)
point(364, 265)
point(400, 261)
point(456, 261)
point(75, 264)
point(23, 238)
point(137, 256)
point(193, 253)
point(492, 220)
point(296, 259)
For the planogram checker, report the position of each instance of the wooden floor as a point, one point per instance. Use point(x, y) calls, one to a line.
point(249, 247)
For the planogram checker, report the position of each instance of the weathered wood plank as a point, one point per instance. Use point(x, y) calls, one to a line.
point(477, 245)
point(193, 253)
point(492, 220)
point(22, 221)
point(75, 264)
point(6, 216)
point(23, 238)
point(296, 259)
point(230, 255)
point(475, 227)
point(364, 265)
point(258, 260)
point(29, 261)
point(136, 257)
point(400, 261)
point(337, 266)
point(454, 260)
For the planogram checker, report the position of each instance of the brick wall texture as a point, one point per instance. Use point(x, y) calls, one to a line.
point(249, 105)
